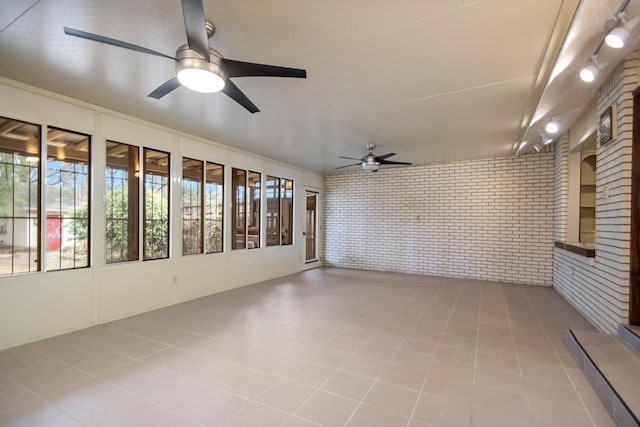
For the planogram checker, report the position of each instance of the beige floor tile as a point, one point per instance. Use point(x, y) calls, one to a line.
point(494, 401)
point(180, 395)
point(218, 373)
point(547, 413)
point(392, 398)
point(551, 390)
point(496, 362)
point(599, 413)
point(142, 349)
point(327, 409)
point(255, 414)
point(93, 401)
point(142, 414)
point(300, 422)
point(458, 355)
point(58, 381)
point(249, 384)
point(348, 385)
point(499, 380)
point(469, 342)
point(443, 412)
point(419, 346)
point(14, 396)
point(310, 374)
point(461, 372)
point(28, 415)
point(376, 351)
point(36, 369)
point(285, 395)
point(402, 376)
point(164, 357)
point(492, 418)
point(215, 408)
point(362, 365)
point(368, 416)
point(104, 362)
point(142, 380)
point(60, 420)
point(413, 360)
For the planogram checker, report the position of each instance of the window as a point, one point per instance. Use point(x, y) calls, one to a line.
point(273, 210)
point(156, 206)
point(68, 207)
point(253, 229)
point(192, 177)
point(245, 202)
point(239, 204)
point(279, 193)
point(287, 211)
point(122, 202)
point(213, 207)
point(19, 196)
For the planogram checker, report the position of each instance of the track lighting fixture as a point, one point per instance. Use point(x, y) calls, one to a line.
point(553, 126)
point(590, 71)
point(618, 36)
point(544, 138)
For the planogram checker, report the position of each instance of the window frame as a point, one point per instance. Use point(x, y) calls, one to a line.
point(134, 217)
point(39, 248)
point(89, 196)
point(222, 210)
point(200, 207)
point(144, 206)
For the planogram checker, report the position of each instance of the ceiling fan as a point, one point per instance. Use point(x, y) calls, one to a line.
point(198, 66)
point(371, 162)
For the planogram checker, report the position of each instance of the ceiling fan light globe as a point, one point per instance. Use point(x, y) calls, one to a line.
point(200, 80)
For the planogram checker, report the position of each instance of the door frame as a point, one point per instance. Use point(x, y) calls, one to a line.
point(306, 265)
point(634, 261)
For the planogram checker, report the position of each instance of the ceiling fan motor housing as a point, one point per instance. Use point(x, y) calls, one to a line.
point(369, 163)
point(187, 58)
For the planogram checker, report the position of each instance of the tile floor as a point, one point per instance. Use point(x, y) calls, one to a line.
point(327, 347)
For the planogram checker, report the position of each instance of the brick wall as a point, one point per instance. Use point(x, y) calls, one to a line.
point(490, 219)
point(561, 187)
point(599, 287)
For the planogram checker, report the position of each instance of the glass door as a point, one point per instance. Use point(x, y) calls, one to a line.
point(311, 227)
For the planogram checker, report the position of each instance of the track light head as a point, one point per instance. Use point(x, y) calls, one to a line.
point(553, 126)
point(590, 71)
point(544, 138)
point(538, 147)
point(619, 36)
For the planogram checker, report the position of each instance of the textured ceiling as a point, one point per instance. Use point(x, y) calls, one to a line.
point(431, 80)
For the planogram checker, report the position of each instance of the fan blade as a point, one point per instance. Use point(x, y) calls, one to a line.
point(166, 87)
point(348, 158)
point(248, 69)
point(391, 162)
point(194, 23)
point(348, 166)
point(385, 156)
point(236, 94)
point(113, 42)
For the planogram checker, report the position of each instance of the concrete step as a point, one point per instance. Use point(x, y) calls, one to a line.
point(631, 334)
point(613, 368)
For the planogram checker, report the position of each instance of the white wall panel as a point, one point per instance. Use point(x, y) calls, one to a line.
point(39, 305)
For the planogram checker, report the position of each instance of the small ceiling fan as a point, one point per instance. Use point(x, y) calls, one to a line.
point(198, 66)
point(371, 162)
